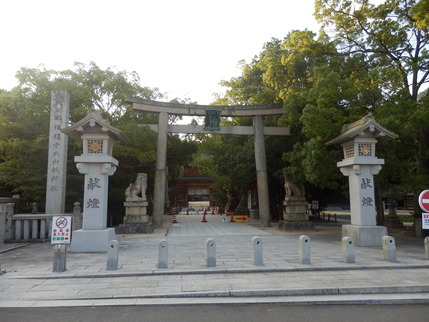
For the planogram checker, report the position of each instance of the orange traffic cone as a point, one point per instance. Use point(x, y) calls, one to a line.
point(232, 218)
point(212, 211)
point(204, 216)
point(174, 221)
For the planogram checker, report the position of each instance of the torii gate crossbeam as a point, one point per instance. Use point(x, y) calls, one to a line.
point(258, 130)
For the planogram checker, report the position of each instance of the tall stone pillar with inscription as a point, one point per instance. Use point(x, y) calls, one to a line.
point(57, 158)
point(97, 164)
point(360, 164)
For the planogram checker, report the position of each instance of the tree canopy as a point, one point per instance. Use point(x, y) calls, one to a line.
point(393, 40)
point(367, 58)
point(24, 129)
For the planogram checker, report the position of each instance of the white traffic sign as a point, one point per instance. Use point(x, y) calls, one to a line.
point(425, 221)
point(61, 230)
point(424, 200)
point(315, 204)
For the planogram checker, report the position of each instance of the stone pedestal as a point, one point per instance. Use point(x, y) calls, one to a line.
point(135, 228)
point(392, 220)
point(295, 215)
point(7, 207)
point(362, 202)
point(94, 235)
point(136, 212)
point(136, 219)
point(365, 236)
point(91, 241)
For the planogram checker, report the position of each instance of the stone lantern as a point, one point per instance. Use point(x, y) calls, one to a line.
point(360, 164)
point(97, 164)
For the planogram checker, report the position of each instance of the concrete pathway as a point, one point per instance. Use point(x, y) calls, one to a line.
point(29, 280)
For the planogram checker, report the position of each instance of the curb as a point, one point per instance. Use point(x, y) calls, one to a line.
point(9, 247)
point(331, 296)
point(159, 272)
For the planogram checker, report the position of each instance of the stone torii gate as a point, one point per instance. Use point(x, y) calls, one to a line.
point(212, 126)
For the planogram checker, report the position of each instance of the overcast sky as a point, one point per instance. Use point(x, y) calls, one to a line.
point(183, 47)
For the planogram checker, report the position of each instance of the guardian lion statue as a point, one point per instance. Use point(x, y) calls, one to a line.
point(137, 191)
point(293, 188)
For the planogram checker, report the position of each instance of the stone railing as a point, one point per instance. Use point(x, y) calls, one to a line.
point(32, 227)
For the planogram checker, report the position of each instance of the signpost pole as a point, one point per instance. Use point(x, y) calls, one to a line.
point(424, 204)
point(60, 236)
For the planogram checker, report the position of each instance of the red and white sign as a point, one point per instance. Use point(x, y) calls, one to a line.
point(61, 230)
point(424, 200)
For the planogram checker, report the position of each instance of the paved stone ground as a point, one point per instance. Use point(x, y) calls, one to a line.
point(29, 280)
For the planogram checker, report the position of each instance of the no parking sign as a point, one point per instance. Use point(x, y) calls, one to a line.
point(424, 204)
point(61, 230)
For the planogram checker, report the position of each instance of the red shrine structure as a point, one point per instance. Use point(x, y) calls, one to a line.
point(193, 190)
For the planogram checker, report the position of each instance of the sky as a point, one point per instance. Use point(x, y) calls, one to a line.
point(182, 47)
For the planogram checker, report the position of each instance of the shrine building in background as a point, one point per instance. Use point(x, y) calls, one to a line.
point(193, 190)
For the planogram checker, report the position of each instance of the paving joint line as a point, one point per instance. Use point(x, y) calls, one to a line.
point(332, 291)
point(216, 271)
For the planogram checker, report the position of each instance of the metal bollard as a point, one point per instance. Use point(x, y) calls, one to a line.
point(163, 254)
point(211, 252)
point(258, 259)
point(59, 258)
point(389, 248)
point(348, 248)
point(112, 255)
point(427, 246)
point(304, 249)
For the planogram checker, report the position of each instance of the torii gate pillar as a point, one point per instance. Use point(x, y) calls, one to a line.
point(160, 171)
point(261, 172)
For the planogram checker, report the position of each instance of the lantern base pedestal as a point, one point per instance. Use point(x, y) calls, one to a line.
point(91, 241)
point(135, 228)
point(365, 236)
point(295, 215)
point(296, 226)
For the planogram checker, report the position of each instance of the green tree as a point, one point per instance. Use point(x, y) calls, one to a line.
point(420, 13)
point(319, 93)
point(395, 47)
point(320, 89)
point(24, 126)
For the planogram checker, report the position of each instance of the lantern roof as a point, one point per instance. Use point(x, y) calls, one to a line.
point(93, 123)
point(366, 127)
